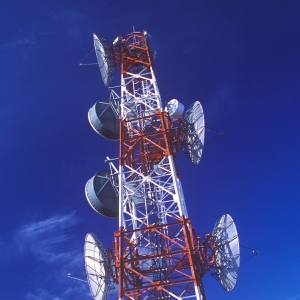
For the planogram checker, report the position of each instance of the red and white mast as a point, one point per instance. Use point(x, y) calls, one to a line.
point(154, 250)
point(156, 254)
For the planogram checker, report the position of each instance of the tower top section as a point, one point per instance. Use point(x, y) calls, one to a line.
point(129, 52)
point(132, 51)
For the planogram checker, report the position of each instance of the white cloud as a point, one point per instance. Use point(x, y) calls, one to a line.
point(27, 38)
point(21, 45)
point(294, 298)
point(24, 41)
point(46, 238)
point(77, 292)
point(70, 20)
point(67, 21)
point(41, 294)
point(81, 290)
point(52, 242)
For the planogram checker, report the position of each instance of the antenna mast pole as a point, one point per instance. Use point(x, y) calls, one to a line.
point(154, 249)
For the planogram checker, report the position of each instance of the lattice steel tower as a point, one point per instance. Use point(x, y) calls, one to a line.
point(156, 253)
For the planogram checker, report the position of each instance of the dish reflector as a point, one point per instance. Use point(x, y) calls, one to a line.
point(104, 59)
point(227, 253)
point(175, 109)
point(104, 119)
point(97, 268)
point(195, 132)
point(102, 195)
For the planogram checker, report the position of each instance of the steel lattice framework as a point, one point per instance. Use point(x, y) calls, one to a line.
point(156, 254)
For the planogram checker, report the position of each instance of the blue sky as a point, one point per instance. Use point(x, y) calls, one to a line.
point(239, 58)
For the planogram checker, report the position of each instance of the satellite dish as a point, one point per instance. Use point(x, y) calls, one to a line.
point(195, 131)
point(104, 59)
point(104, 119)
point(175, 109)
point(227, 253)
point(102, 195)
point(97, 268)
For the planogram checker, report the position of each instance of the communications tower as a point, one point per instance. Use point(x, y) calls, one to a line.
point(156, 252)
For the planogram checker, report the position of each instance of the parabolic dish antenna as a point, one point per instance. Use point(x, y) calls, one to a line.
point(104, 59)
point(96, 266)
point(227, 253)
point(195, 131)
point(175, 109)
point(104, 119)
point(102, 195)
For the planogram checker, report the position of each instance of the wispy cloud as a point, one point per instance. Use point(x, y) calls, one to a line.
point(20, 47)
point(297, 297)
point(45, 238)
point(24, 41)
point(67, 13)
point(70, 20)
point(79, 291)
point(27, 38)
point(67, 21)
point(41, 294)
